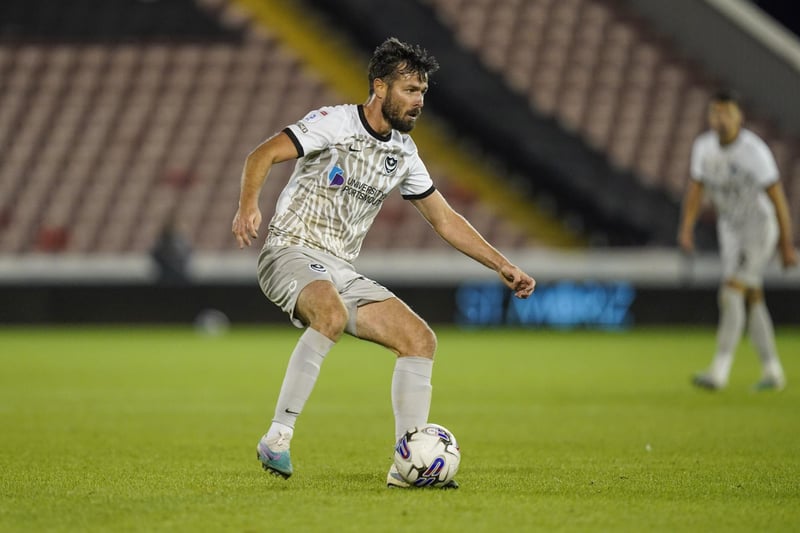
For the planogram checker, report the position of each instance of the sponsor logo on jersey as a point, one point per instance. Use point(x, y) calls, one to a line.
point(316, 267)
point(302, 127)
point(390, 164)
point(364, 192)
point(336, 177)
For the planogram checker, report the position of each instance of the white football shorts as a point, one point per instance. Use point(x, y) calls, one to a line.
point(745, 259)
point(284, 271)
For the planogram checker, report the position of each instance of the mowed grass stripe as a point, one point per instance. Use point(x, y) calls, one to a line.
point(154, 429)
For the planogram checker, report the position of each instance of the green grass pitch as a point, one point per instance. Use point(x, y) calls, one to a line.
point(154, 429)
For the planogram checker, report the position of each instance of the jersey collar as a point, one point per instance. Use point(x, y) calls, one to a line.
point(363, 117)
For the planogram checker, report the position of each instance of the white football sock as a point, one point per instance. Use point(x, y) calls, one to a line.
point(762, 335)
point(729, 333)
point(411, 393)
point(298, 382)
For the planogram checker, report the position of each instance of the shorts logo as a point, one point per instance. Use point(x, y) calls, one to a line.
point(336, 177)
point(390, 164)
point(316, 267)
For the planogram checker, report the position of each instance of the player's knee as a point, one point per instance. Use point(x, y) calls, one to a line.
point(729, 290)
point(421, 342)
point(320, 307)
point(330, 321)
point(734, 284)
point(332, 324)
point(754, 296)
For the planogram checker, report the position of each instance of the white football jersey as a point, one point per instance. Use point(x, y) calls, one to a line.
point(735, 178)
point(344, 173)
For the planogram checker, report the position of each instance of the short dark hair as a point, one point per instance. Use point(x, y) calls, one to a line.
point(725, 95)
point(394, 57)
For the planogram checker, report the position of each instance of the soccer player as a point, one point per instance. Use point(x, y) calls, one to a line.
point(349, 158)
point(737, 170)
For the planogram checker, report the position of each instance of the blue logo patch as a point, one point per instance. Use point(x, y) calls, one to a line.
point(336, 177)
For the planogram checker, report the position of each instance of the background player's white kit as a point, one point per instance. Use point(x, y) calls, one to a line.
point(735, 178)
point(735, 168)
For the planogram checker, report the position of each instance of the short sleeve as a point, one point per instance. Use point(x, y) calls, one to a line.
point(316, 131)
point(765, 170)
point(696, 161)
point(418, 183)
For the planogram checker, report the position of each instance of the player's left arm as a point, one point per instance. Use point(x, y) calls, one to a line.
point(462, 236)
point(786, 243)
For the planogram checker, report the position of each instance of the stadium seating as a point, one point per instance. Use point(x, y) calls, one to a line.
point(106, 141)
point(604, 75)
point(110, 128)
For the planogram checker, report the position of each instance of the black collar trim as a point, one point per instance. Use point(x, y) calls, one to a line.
point(363, 117)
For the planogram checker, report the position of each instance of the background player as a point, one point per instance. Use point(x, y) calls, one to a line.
point(737, 170)
point(350, 158)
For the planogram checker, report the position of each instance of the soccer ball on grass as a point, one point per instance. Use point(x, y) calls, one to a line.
point(427, 456)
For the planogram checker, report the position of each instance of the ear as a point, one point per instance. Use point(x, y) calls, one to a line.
point(380, 88)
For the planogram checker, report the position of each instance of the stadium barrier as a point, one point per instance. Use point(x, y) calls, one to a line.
point(602, 289)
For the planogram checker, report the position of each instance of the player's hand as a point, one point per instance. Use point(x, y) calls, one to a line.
point(788, 256)
point(517, 280)
point(245, 225)
point(686, 241)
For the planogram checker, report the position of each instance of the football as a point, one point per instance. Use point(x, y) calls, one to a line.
point(427, 456)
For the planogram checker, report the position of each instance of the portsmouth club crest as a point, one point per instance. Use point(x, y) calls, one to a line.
point(390, 164)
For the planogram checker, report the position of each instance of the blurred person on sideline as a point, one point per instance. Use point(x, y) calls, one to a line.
point(349, 158)
point(738, 172)
point(171, 253)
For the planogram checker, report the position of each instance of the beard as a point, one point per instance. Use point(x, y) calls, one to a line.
point(393, 113)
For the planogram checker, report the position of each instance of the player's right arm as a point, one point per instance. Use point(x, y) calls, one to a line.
point(462, 236)
point(786, 243)
point(692, 200)
point(276, 149)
